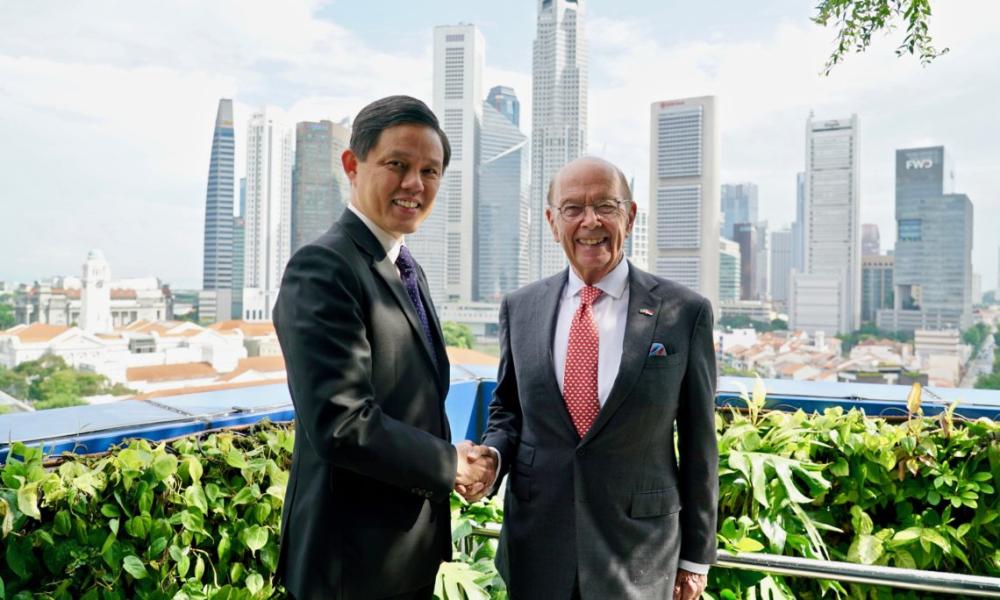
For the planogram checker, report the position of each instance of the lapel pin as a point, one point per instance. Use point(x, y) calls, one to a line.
point(646, 311)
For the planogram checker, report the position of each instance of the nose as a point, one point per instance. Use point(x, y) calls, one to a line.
point(412, 182)
point(589, 217)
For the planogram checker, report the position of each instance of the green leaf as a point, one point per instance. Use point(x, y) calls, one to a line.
point(225, 545)
point(904, 560)
point(195, 496)
point(254, 583)
point(199, 568)
point(254, 537)
point(194, 468)
point(17, 560)
point(134, 566)
point(748, 544)
point(110, 510)
point(61, 524)
point(866, 549)
point(164, 466)
point(193, 521)
point(235, 459)
point(27, 500)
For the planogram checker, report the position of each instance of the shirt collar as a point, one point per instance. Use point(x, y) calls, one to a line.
point(390, 244)
point(613, 284)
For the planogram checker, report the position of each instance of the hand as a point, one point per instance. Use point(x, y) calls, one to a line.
point(688, 585)
point(476, 470)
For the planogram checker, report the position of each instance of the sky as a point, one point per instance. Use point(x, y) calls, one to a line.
point(107, 107)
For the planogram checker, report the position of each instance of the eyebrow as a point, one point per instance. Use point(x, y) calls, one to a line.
point(408, 156)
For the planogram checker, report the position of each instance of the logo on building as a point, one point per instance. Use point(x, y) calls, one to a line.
point(919, 163)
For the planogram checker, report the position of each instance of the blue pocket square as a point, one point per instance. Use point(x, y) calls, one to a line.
point(657, 349)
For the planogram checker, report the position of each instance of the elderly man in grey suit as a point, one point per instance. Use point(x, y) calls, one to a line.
point(600, 366)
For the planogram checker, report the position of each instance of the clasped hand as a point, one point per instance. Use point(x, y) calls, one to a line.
point(476, 470)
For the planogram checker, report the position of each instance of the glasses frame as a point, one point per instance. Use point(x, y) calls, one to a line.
point(618, 202)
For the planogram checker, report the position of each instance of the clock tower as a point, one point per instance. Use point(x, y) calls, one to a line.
point(95, 314)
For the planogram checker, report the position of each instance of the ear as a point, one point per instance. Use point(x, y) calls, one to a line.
point(350, 162)
point(551, 218)
point(632, 210)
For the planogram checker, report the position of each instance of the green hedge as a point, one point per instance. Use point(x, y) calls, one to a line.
point(198, 518)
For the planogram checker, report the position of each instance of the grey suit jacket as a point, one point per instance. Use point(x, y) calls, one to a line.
point(618, 508)
point(366, 511)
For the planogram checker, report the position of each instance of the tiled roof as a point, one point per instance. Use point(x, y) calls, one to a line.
point(261, 364)
point(197, 370)
point(249, 328)
point(213, 387)
point(36, 332)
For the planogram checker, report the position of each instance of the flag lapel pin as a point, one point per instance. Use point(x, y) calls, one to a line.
point(646, 311)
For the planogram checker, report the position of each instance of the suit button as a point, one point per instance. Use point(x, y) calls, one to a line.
point(581, 452)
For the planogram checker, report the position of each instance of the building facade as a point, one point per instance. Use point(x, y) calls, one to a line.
point(267, 244)
point(745, 236)
point(637, 244)
point(217, 261)
point(558, 114)
point(729, 270)
point(502, 209)
point(798, 240)
point(739, 205)
point(505, 101)
point(320, 189)
point(871, 243)
point(932, 276)
point(781, 264)
point(876, 285)
point(826, 296)
point(683, 193)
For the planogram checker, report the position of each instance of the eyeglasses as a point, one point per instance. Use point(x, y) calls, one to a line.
point(604, 209)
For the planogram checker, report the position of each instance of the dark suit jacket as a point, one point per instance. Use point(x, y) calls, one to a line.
point(616, 509)
point(366, 511)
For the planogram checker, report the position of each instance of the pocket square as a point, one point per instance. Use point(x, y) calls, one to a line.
point(657, 349)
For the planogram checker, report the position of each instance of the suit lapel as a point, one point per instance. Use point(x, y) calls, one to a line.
point(440, 352)
point(639, 330)
point(381, 264)
point(544, 323)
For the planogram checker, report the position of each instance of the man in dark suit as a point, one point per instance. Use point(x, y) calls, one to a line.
point(600, 366)
point(366, 511)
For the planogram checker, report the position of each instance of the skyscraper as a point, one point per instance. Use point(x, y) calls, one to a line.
point(558, 114)
point(745, 236)
point(502, 208)
point(217, 262)
point(932, 276)
point(739, 205)
point(683, 194)
point(798, 238)
point(762, 263)
point(320, 190)
point(239, 244)
point(505, 101)
point(781, 264)
point(876, 285)
point(637, 244)
point(826, 296)
point(270, 154)
point(445, 243)
point(871, 245)
point(729, 270)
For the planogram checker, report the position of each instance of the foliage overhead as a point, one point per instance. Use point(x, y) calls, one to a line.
point(856, 21)
point(457, 335)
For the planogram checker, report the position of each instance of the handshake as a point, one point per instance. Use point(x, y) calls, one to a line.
point(477, 468)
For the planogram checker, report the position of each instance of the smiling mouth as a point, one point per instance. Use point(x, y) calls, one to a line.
point(591, 241)
point(409, 204)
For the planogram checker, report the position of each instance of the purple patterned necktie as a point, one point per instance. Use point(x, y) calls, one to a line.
point(408, 272)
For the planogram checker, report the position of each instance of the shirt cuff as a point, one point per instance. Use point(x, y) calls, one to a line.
point(696, 568)
point(496, 474)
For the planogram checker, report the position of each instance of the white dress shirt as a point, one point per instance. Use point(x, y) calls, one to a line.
point(611, 313)
point(389, 242)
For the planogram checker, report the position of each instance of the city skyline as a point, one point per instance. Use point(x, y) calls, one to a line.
point(143, 173)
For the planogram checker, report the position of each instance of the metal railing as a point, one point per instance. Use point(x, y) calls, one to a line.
point(910, 579)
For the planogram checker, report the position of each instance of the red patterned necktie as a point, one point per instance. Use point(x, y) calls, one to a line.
point(580, 377)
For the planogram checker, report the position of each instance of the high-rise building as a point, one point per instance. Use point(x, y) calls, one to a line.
point(267, 245)
point(745, 236)
point(729, 270)
point(95, 295)
point(683, 193)
point(826, 296)
point(217, 262)
point(739, 205)
point(445, 243)
point(558, 114)
point(637, 244)
point(871, 244)
point(320, 190)
point(798, 239)
point(239, 244)
point(243, 197)
point(876, 285)
point(781, 264)
point(932, 276)
point(762, 263)
point(502, 208)
point(505, 101)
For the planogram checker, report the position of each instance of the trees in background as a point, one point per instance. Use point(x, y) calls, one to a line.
point(50, 383)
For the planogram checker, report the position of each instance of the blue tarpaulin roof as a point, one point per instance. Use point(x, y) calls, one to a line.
point(95, 428)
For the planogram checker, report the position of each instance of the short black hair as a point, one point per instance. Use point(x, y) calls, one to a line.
point(389, 112)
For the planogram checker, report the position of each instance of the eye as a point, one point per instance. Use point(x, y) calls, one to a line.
point(431, 172)
point(394, 164)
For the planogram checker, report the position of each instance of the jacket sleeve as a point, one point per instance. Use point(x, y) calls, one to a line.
point(503, 431)
point(698, 446)
point(321, 320)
